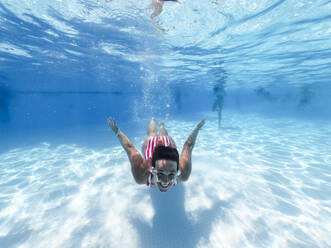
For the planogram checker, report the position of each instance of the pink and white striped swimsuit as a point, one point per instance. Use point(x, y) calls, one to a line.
point(152, 142)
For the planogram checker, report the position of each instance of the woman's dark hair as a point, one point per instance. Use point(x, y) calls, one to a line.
point(165, 152)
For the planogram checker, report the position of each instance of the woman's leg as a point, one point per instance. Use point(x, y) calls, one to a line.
point(163, 131)
point(158, 6)
point(152, 130)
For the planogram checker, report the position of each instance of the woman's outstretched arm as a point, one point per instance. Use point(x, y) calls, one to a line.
point(138, 167)
point(185, 164)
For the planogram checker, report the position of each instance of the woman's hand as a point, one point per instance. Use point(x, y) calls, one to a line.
point(201, 123)
point(113, 126)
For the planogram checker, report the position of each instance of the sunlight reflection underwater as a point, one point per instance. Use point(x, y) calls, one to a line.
point(254, 192)
point(261, 165)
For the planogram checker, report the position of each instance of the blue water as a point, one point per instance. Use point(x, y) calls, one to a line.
point(258, 71)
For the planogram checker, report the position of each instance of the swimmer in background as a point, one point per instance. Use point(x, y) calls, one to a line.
point(160, 166)
point(158, 7)
point(219, 92)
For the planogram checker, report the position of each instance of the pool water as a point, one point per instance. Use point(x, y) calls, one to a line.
point(257, 71)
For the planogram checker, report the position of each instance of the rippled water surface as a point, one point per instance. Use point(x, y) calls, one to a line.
point(258, 71)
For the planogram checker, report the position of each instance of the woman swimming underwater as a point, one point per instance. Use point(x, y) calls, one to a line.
point(160, 166)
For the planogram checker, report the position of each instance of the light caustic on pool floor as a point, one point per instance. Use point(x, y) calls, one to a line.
point(269, 179)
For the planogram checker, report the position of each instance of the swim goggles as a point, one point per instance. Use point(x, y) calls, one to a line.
point(162, 177)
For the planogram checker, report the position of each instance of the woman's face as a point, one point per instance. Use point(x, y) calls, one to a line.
point(166, 172)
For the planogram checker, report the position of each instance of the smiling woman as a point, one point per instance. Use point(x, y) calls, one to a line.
point(161, 166)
